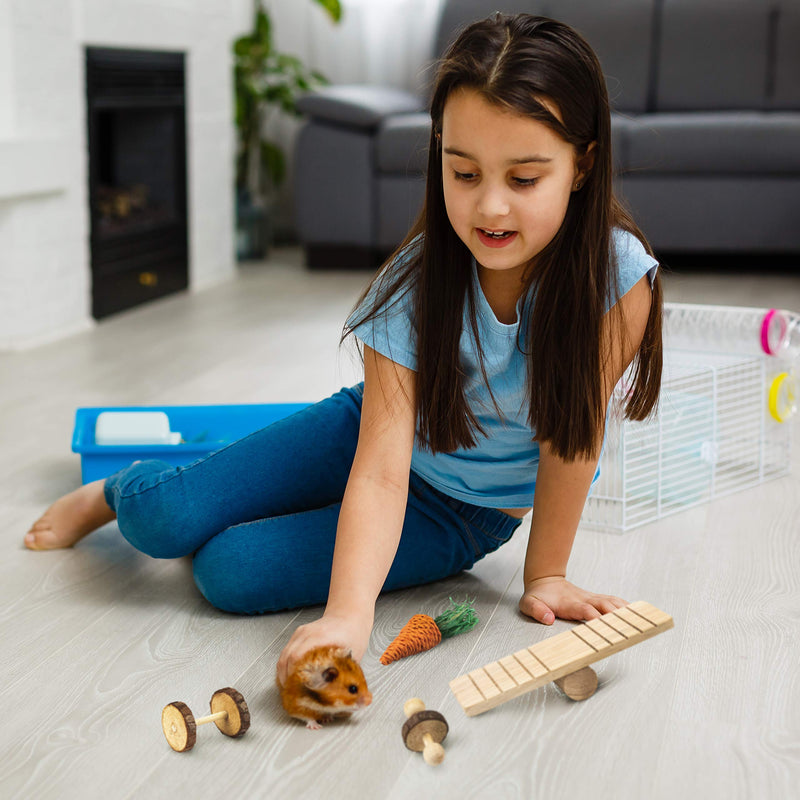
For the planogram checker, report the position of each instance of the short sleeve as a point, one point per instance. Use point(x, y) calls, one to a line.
point(391, 331)
point(633, 261)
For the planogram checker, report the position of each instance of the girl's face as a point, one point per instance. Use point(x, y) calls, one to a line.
point(507, 180)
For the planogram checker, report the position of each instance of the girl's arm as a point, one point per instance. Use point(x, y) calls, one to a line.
point(562, 487)
point(371, 517)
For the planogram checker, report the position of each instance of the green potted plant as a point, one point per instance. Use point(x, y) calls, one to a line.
point(266, 83)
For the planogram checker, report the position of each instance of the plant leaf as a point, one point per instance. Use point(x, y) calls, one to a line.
point(263, 27)
point(333, 7)
point(274, 162)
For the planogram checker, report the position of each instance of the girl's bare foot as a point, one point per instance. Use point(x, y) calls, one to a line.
point(70, 518)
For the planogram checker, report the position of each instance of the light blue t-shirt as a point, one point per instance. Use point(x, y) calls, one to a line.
point(500, 472)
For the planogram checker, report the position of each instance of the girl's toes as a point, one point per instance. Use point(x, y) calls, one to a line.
point(31, 541)
point(41, 538)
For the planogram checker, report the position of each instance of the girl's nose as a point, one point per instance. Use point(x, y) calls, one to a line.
point(493, 202)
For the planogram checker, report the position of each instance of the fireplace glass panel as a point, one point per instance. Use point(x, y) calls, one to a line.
point(135, 181)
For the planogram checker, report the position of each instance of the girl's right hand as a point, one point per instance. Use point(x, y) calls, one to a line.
point(546, 599)
point(351, 632)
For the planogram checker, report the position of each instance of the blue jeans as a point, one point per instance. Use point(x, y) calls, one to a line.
point(259, 516)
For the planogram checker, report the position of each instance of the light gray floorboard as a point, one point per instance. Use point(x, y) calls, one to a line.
point(97, 639)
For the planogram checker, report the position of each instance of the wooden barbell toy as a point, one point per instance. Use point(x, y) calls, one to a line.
point(563, 659)
point(229, 713)
point(424, 731)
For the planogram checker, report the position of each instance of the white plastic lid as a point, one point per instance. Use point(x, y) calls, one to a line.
point(133, 427)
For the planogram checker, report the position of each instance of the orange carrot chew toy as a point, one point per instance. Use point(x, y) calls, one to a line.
point(422, 632)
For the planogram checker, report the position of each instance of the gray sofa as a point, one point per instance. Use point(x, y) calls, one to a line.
point(706, 130)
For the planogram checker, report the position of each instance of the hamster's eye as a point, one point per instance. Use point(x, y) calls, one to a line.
point(353, 689)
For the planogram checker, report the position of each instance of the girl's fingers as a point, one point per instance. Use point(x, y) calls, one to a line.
point(289, 655)
point(283, 669)
point(532, 606)
point(280, 673)
point(608, 604)
point(585, 611)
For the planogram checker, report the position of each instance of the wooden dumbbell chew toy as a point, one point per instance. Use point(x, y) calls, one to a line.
point(229, 713)
point(424, 731)
point(563, 659)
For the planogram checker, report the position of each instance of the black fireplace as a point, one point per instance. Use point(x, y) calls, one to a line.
point(137, 176)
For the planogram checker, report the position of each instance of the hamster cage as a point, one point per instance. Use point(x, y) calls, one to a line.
point(720, 425)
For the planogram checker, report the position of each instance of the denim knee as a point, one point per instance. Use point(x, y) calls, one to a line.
point(143, 521)
point(269, 564)
point(222, 578)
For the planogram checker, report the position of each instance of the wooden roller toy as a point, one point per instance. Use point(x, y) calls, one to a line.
point(229, 713)
point(424, 731)
point(563, 658)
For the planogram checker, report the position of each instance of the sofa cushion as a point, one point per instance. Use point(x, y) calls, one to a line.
point(717, 213)
point(712, 55)
point(619, 31)
point(725, 142)
point(358, 106)
point(401, 145)
point(620, 124)
point(784, 79)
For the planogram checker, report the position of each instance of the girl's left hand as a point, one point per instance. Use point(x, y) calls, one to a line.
point(350, 632)
point(548, 598)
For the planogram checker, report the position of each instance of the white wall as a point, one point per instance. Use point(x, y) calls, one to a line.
point(44, 216)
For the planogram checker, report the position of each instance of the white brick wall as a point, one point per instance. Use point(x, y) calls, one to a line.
point(6, 71)
point(45, 281)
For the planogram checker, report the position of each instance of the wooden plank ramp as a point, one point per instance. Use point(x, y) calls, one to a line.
point(560, 655)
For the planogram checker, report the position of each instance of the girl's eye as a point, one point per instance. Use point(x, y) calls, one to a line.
point(525, 181)
point(464, 176)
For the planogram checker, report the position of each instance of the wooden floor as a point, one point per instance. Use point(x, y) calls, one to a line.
point(95, 640)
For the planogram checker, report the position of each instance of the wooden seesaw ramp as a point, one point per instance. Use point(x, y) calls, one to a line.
point(557, 657)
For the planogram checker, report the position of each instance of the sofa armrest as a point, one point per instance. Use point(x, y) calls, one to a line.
point(358, 106)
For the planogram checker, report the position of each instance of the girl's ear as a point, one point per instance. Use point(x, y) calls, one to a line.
point(584, 164)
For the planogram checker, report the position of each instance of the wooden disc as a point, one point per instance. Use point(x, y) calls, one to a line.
point(578, 685)
point(178, 725)
point(417, 725)
point(238, 720)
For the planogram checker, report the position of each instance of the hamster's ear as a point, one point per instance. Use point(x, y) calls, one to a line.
point(330, 674)
point(342, 652)
point(317, 679)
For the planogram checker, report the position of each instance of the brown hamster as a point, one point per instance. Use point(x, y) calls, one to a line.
point(325, 684)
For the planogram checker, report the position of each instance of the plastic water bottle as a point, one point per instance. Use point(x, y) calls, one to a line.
point(732, 329)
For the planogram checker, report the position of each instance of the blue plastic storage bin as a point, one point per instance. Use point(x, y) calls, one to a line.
point(203, 428)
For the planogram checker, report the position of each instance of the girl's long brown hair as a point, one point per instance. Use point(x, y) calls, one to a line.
point(516, 62)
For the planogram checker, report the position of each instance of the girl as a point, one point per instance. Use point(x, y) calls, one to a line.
point(492, 342)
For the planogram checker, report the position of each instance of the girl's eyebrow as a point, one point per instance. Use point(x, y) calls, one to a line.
point(532, 159)
point(535, 159)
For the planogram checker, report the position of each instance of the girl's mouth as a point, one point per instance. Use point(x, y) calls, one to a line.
point(495, 238)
